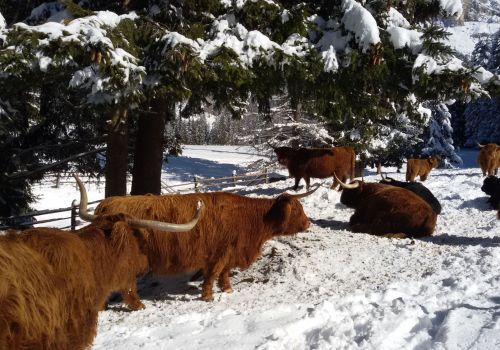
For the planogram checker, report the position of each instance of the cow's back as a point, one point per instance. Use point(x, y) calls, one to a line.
point(31, 313)
point(226, 221)
point(396, 210)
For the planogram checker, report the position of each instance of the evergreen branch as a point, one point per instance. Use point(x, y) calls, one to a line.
point(51, 146)
point(24, 174)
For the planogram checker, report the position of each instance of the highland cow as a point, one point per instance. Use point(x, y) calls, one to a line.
point(319, 163)
point(230, 234)
point(387, 210)
point(489, 159)
point(54, 282)
point(421, 167)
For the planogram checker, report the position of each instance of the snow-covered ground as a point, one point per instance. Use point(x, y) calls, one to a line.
point(328, 288)
point(464, 38)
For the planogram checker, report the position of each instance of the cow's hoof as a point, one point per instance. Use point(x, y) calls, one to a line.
point(207, 297)
point(228, 290)
point(136, 306)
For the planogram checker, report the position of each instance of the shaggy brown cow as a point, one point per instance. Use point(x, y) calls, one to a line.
point(489, 158)
point(387, 210)
point(317, 163)
point(53, 282)
point(230, 234)
point(421, 167)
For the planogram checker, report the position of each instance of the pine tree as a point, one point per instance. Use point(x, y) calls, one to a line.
point(482, 116)
point(338, 62)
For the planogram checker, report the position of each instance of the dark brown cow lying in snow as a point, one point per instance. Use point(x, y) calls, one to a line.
point(230, 233)
point(54, 282)
point(319, 163)
point(421, 167)
point(489, 158)
point(387, 210)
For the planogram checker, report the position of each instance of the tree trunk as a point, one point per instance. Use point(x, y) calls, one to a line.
point(117, 155)
point(148, 156)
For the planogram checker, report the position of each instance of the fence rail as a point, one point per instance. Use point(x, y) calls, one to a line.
point(198, 184)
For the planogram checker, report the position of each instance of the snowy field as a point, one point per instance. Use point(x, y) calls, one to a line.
point(327, 288)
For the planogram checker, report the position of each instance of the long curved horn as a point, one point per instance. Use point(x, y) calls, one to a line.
point(82, 209)
point(166, 226)
point(348, 186)
point(305, 194)
point(480, 146)
point(138, 223)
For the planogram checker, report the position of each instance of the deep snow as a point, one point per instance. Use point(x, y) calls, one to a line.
point(328, 288)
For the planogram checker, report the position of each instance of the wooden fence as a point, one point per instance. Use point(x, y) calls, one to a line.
point(198, 184)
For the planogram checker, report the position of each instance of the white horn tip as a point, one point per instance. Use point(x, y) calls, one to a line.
point(199, 205)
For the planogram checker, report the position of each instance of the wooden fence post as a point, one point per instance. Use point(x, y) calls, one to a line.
point(196, 184)
point(73, 215)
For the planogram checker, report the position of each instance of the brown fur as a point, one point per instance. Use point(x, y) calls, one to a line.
point(383, 209)
point(229, 234)
point(319, 163)
point(489, 159)
point(53, 282)
point(421, 167)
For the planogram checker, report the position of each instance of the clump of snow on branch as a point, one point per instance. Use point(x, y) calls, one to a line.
point(361, 23)
point(248, 45)
point(432, 66)
point(3, 24)
point(396, 19)
point(401, 37)
point(451, 8)
point(88, 33)
point(49, 12)
point(240, 3)
point(331, 63)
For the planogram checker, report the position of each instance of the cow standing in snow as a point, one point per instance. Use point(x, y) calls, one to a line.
point(319, 163)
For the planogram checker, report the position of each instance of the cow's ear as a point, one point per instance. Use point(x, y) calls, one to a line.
point(121, 234)
point(280, 213)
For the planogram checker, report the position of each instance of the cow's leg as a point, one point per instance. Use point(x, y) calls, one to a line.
point(131, 298)
point(335, 184)
point(211, 273)
point(423, 177)
point(307, 179)
point(297, 180)
point(208, 283)
point(224, 282)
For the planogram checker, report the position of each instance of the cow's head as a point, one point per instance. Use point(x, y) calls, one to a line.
point(284, 154)
point(286, 215)
point(354, 192)
point(434, 161)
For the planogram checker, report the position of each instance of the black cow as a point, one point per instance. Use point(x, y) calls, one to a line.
point(491, 186)
point(417, 188)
